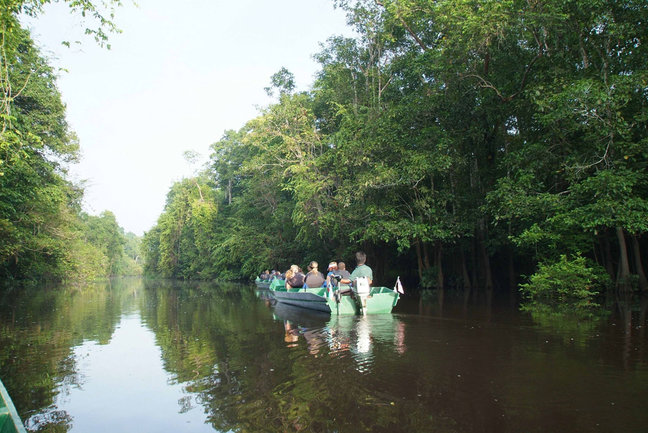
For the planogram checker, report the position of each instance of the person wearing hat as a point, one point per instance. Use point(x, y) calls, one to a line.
point(332, 270)
point(339, 270)
point(314, 278)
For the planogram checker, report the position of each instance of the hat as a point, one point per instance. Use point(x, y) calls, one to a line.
point(332, 265)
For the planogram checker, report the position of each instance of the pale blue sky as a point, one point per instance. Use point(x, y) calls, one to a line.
point(180, 74)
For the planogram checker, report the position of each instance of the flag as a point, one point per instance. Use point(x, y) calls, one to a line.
point(399, 287)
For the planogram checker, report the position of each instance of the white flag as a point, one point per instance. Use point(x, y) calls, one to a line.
point(399, 287)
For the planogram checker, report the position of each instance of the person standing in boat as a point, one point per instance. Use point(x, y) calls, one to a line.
point(314, 277)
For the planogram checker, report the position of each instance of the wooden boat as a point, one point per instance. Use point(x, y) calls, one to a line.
point(9, 420)
point(379, 300)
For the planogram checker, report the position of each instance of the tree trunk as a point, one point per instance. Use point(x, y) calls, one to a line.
point(475, 279)
point(419, 260)
point(512, 278)
point(488, 276)
point(643, 283)
point(607, 257)
point(426, 256)
point(464, 271)
point(439, 265)
point(624, 264)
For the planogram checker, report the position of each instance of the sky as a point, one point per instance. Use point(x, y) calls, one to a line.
point(179, 75)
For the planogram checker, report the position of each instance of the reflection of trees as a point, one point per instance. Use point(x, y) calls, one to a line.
point(385, 373)
point(38, 330)
point(229, 353)
point(233, 357)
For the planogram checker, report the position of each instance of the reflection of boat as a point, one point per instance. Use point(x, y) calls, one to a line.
point(380, 300)
point(9, 420)
point(265, 296)
point(359, 334)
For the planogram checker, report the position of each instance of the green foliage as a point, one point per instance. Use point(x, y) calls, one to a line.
point(283, 81)
point(568, 285)
point(180, 244)
point(43, 235)
point(453, 138)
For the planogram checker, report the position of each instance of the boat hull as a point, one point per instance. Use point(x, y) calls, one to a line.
point(380, 300)
point(9, 420)
point(312, 299)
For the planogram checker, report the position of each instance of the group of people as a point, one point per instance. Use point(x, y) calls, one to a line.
point(336, 275)
point(269, 275)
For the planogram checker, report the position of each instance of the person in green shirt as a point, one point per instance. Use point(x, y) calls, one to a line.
point(362, 270)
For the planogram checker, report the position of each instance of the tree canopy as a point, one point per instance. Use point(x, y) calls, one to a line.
point(43, 232)
point(461, 143)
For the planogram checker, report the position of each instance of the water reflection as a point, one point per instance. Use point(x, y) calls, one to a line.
point(359, 334)
point(204, 357)
point(356, 335)
point(121, 382)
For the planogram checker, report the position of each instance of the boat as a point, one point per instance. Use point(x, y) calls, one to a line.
point(9, 420)
point(262, 284)
point(277, 284)
point(378, 300)
point(313, 299)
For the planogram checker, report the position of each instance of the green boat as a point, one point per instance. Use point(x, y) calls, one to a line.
point(9, 420)
point(262, 284)
point(380, 300)
point(277, 284)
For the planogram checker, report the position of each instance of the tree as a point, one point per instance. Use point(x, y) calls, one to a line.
point(41, 232)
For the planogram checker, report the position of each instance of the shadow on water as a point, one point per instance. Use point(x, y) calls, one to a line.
point(171, 356)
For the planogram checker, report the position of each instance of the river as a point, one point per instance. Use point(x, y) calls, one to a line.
point(155, 356)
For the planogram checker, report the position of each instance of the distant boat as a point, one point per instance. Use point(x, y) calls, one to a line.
point(262, 284)
point(379, 300)
point(9, 420)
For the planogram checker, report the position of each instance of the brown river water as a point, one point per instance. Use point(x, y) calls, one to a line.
point(153, 356)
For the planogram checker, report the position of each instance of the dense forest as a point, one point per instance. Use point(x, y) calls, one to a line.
point(44, 234)
point(461, 144)
point(471, 144)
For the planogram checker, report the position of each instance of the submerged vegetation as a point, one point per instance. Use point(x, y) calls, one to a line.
point(567, 287)
point(461, 144)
